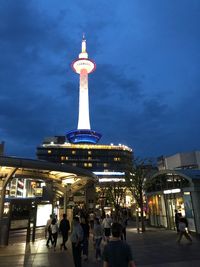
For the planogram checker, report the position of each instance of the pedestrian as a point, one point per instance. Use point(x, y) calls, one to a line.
point(98, 235)
point(107, 222)
point(64, 228)
point(182, 230)
point(86, 233)
point(54, 231)
point(117, 253)
point(76, 239)
point(123, 222)
point(91, 218)
point(48, 232)
point(177, 218)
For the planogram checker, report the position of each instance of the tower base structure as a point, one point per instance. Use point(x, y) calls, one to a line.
point(83, 136)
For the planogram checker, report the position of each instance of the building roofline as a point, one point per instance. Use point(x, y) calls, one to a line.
point(43, 165)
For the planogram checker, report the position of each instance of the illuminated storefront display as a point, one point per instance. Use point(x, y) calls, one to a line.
point(43, 212)
point(164, 198)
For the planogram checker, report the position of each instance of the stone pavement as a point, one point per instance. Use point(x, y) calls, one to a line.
point(154, 248)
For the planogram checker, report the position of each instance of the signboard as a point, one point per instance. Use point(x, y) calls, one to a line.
point(43, 213)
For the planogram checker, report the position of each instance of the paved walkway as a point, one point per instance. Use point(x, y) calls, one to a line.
point(154, 248)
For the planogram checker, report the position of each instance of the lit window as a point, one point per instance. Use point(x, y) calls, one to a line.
point(89, 164)
point(66, 158)
point(115, 159)
point(49, 151)
point(62, 158)
point(74, 164)
point(85, 164)
point(89, 158)
point(89, 152)
point(73, 152)
point(105, 164)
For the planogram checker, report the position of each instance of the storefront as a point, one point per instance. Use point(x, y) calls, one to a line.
point(168, 191)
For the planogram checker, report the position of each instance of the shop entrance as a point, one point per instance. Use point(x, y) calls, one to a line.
point(174, 202)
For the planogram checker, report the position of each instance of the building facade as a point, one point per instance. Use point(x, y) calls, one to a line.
point(108, 162)
point(176, 186)
point(186, 160)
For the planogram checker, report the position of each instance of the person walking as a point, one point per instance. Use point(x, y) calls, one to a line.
point(76, 239)
point(98, 235)
point(86, 233)
point(54, 231)
point(117, 253)
point(177, 218)
point(48, 232)
point(123, 222)
point(64, 228)
point(107, 222)
point(182, 230)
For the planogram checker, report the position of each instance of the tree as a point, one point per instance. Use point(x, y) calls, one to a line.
point(116, 193)
point(113, 194)
point(135, 182)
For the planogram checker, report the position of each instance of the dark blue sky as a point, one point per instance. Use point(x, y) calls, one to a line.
point(144, 92)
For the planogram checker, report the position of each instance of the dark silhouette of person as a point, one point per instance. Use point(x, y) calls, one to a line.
point(86, 233)
point(76, 239)
point(177, 219)
point(183, 224)
point(111, 255)
point(64, 229)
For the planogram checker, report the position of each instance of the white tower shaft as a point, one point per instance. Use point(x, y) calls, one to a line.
point(83, 118)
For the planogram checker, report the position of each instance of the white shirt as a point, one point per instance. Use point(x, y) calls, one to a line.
point(54, 228)
point(107, 222)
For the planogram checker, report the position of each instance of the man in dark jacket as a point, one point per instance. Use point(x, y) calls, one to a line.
point(117, 253)
point(64, 229)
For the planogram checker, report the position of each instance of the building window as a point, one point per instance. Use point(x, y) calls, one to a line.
point(89, 158)
point(74, 164)
point(66, 158)
point(87, 164)
point(89, 152)
point(62, 158)
point(73, 152)
point(105, 164)
point(117, 159)
point(49, 151)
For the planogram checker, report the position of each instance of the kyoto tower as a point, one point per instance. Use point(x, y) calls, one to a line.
point(83, 66)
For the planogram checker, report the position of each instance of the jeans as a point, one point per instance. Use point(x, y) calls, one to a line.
point(97, 246)
point(76, 251)
point(85, 246)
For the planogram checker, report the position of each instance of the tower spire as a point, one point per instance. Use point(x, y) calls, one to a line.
point(84, 44)
point(83, 53)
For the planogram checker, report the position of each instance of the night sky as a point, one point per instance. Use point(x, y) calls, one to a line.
point(144, 92)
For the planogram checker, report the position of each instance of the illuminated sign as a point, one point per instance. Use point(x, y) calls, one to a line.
point(109, 173)
point(172, 191)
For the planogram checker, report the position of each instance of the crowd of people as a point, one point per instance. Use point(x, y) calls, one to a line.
point(107, 232)
point(100, 227)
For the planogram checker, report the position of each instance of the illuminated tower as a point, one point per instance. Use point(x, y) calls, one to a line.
point(83, 66)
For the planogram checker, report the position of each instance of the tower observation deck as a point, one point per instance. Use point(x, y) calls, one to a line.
point(83, 66)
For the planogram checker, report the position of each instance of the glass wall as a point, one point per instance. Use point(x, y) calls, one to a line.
point(162, 209)
point(157, 212)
